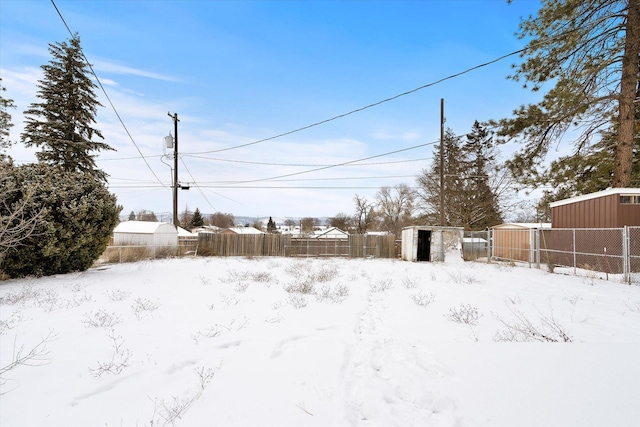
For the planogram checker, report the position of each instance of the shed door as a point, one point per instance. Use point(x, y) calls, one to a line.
point(424, 245)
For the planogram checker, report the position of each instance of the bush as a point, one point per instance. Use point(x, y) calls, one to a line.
point(79, 217)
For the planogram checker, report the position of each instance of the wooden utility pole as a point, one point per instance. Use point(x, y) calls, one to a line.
point(442, 221)
point(176, 222)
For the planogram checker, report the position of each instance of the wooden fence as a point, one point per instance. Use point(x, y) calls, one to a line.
point(356, 246)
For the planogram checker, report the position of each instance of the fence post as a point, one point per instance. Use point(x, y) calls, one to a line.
point(574, 251)
point(489, 245)
point(537, 243)
point(626, 254)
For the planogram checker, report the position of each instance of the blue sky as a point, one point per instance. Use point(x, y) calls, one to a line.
point(237, 72)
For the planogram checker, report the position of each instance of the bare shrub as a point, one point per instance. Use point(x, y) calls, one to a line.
point(241, 286)
point(304, 285)
point(101, 319)
point(142, 307)
point(335, 294)
point(27, 292)
point(515, 299)
point(205, 375)
point(326, 273)
point(409, 282)
point(298, 301)
point(423, 299)
point(573, 299)
point(235, 276)
point(229, 299)
point(381, 285)
point(460, 277)
point(262, 277)
point(38, 355)
point(116, 295)
point(47, 299)
point(464, 314)
point(120, 357)
point(10, 322)
point(521, 329)
point(78, 300)
point(633, 306)
point(211, 332)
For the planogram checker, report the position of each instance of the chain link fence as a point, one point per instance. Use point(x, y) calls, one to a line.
point(609, 253)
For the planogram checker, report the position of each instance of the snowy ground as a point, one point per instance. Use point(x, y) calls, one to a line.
point(330, 342)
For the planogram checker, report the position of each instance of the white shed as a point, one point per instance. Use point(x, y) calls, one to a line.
point(145, 233)
point(428, 243)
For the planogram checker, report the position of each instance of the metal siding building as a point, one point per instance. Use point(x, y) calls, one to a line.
point(611, 208)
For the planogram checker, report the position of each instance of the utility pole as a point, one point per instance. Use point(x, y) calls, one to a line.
point(442, 222)
point(176, 223)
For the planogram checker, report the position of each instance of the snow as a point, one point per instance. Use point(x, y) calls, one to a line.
point(229, 342)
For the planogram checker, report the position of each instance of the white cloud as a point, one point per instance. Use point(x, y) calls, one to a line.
point(110, 67)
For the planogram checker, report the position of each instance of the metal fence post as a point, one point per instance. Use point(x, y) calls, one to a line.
point(574, 251)
point(626, 254)
point(538, 231)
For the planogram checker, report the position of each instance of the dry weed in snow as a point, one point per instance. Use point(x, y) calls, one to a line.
point(521, 329)
point(423, 299)
point(465, 313)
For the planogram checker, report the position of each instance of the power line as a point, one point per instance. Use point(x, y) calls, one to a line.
point(297, 164)
point(339, 164)
point(198, 187)
point(375, 104)
point(107, 95)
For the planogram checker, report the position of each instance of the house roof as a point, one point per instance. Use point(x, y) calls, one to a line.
point(332, 231)
point(603, 193)
point(185, 233)
point(142, 227)
point(244, 230)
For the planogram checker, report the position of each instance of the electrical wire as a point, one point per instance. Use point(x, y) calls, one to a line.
point(366, 107)
point(197, 186)
point(298, 164)
point(107, 96)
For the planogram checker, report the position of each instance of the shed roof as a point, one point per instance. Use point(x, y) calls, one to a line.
point(141, 227)
point(603, 193)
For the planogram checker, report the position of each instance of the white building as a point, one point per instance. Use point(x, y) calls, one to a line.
point(145, 233)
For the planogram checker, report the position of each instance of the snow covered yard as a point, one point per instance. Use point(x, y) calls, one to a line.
point(318, 342)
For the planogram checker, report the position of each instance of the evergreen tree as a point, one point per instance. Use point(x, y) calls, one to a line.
point(590, 169)
point(470, 189)
point(61, 125)
point(5, 123)
point(428, 194)
point(196, 220)
point(132, 216)
point(482, 210)
point(185, 217)
point(271, 226)
point(77, 215)
point(588, 50)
